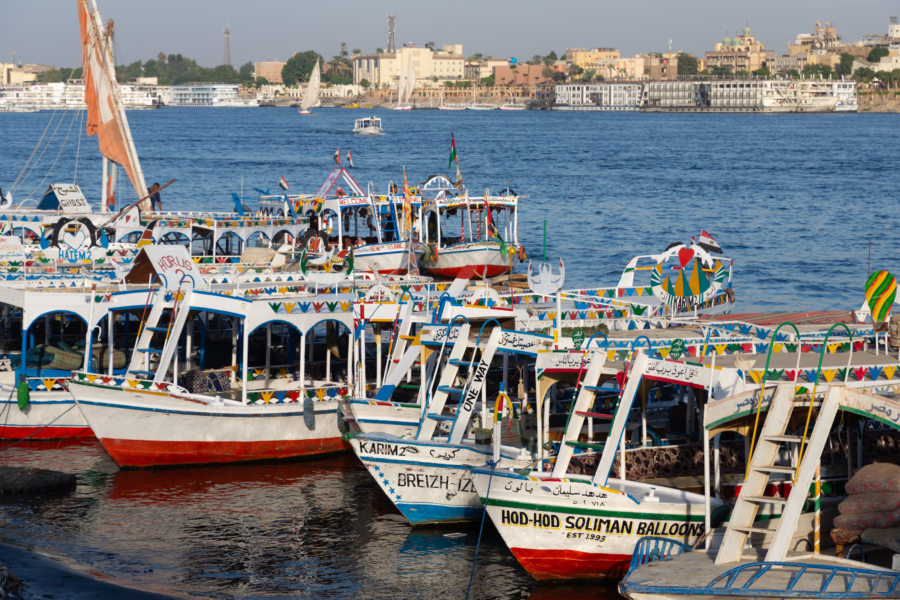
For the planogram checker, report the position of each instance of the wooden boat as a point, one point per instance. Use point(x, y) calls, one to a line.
point(346, 220)
point(663, 569)
point(464, 234)
point(562, 525)
point(427, 475)
point(147, 417)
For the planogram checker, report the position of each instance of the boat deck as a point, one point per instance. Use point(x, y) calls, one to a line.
point(693, 574)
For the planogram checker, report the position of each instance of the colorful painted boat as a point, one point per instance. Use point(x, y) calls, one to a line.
point(567, 526)
point(468, 235)
point(427, 476)
point(665, 570)
point(145, 417)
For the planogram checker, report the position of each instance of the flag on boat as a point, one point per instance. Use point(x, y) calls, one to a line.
point(491, 229)
point(350, 159)
point(337, 156)
point(283, 183)
point(407, 204)
point(454, 157)
point(708, 243)
point(412, 266)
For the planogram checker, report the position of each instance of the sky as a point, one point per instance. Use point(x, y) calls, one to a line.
point(46, 31)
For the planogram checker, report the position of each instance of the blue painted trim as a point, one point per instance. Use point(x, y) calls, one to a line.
point(422, 513)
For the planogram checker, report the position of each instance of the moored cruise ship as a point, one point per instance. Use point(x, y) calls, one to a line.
point(68, 96)
point(209, 94)
point(712, 95)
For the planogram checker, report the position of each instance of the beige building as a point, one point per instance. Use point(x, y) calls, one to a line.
point(661, 66)
point(384, 70)
point(592, 59)
point(742, 53)
point(12, 74)
point(525, 74)
point(270, 70)
point(479, 69)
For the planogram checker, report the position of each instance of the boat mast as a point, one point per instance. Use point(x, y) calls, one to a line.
point(95, 26)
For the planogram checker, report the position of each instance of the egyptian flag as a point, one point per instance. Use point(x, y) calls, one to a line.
point(337, 156)
point(283, 183)
point(490, 228)
point(350, 159)
point(708, 243)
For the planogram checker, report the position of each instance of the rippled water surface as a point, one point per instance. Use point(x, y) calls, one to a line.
point(799, 201)
point(804, 203)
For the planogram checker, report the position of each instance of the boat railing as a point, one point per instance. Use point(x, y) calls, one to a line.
point(653, 548)
point(744, 576)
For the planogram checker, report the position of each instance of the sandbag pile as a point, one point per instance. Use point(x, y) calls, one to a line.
point(871, 511)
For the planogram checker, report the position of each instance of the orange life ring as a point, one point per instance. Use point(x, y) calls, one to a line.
point(522, 255)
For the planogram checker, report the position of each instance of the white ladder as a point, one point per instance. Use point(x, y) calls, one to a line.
point(140, 356)
point(763, 465)
point(579, 412)
point(181, 308)
point(472, 390)
point(404, 315)
point(434, 408)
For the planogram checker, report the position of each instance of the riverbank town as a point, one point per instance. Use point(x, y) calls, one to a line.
point(820, 72)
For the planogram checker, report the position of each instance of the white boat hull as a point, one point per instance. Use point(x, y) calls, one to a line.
point(571, 529)
point(149, 426)
point(484, 258)
point(49, 415)
point(429, 482)
point(390, 258)
point(390, 418)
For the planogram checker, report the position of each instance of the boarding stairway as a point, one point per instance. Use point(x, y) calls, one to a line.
point(156, 338)
point(403, 354)
point(581, 411)
point(435, 403)
point(471, 391)
point(764, 463)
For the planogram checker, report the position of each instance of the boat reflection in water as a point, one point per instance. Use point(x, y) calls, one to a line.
point(310, 529)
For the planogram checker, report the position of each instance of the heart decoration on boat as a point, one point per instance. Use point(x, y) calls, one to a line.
point(75, 241)
point(684, 256)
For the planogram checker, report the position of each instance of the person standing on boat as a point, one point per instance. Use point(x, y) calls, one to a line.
point(155, 202)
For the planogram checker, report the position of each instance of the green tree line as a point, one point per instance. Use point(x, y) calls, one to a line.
point(173, 69)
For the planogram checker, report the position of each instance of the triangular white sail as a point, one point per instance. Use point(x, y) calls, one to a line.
point(410, 80)
point(311, 96)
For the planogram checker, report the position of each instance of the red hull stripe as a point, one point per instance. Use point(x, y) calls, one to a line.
point(11, 432)
point(143, 453)
point(569, 564)
point(453, 272)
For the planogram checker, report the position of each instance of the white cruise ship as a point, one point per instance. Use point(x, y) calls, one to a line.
point(68, 96)
point(209, 94)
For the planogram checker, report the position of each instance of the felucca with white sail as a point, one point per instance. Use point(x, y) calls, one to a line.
point(311, 96)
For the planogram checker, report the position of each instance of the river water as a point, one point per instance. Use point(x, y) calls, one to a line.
point(806, 205)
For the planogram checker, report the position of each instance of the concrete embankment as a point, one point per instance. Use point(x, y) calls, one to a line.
point(887, 102)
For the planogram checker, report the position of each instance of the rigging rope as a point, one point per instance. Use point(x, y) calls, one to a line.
point(78, 145)
point(36, 146)
point(58, 154)
point(40, 156)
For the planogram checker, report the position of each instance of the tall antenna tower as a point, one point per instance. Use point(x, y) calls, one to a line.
point(227, 46)
point(392, 28)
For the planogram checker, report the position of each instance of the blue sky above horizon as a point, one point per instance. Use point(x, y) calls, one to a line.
point(46, 31)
